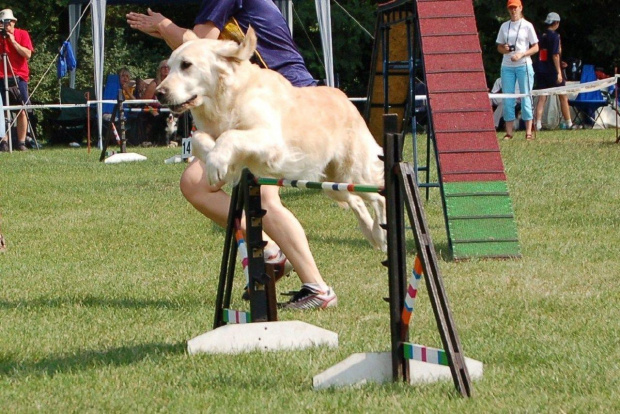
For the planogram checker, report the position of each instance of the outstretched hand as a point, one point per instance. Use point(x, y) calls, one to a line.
point(146, 23)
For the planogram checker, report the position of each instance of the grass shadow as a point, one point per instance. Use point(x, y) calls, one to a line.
point(88, 359)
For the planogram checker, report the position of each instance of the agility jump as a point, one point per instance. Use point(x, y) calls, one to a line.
point(400, 190)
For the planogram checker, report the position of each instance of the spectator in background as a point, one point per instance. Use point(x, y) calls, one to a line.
point(153, 121)
point(162, 71)
point(17, 45)
point(517, 41)
point(550, 70)
point(126, 83)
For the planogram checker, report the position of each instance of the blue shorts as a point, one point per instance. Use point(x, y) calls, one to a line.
point(548, 80)
point(15, 98)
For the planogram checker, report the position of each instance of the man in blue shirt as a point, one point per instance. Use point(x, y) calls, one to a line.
point(277, 51)
point(549, 71)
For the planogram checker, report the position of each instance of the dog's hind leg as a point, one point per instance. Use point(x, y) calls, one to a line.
point(366, 223)
point(379, 235)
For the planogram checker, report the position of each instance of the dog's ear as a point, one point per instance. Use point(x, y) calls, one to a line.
point(248, 46)
point(189, 35)
point(242, 51)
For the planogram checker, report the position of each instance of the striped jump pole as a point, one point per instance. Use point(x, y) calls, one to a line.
point(315, 185)
point(236, 316)
point(230, 316)
point(412, 290)
point(242, 250)
point(425, 354)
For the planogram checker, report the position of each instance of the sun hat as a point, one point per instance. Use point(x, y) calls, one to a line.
point(514, 3)
point(7, 14)
point(552, 17)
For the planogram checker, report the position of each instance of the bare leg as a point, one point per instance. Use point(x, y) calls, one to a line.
point(528, 127)
point(510, 128)
point(22, 127)
point(540, 106)
point(285, 229)
point(211, 201)
point(279, 223)
point(565, 110)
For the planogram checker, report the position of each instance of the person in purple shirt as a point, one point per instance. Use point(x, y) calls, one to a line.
point(286, 239)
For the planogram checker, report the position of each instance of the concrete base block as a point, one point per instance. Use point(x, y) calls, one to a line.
point(359, 369)
point(124, 157)
point(263, 336)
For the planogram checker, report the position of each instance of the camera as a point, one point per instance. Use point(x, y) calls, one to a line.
point(511, 48)
point(5, 23)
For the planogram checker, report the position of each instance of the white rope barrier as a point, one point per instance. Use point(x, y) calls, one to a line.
point(562, 90)
point(84, 105)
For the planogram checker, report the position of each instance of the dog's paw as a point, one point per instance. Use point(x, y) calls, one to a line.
point(217, 167)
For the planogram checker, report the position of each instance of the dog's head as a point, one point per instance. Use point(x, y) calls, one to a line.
point(200, 68)
point(171, 124)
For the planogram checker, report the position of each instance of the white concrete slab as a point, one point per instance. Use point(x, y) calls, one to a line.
point(264, 336)
point(124, 157)
point(362, 368)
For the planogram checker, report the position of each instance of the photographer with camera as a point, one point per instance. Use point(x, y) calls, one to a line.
point(16, 47)
point(517, 41)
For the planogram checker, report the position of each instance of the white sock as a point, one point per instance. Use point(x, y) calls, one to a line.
point(321, 287)
point(569, 123)
point(538, 125)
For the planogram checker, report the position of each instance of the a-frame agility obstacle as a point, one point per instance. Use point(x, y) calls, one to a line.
point(435, 43)
point(259, 329)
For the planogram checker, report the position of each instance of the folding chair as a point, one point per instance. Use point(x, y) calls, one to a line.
point(132, 125)
point(110, 92)
point(66, 125)
point(587, 104)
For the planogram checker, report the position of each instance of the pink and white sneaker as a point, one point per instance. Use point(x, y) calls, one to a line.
point(311, 298)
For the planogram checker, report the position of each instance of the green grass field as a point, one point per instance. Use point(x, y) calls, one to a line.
point(109, 271)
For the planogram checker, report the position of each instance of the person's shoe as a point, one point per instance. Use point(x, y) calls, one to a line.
point(4, 146)
point(310, 298)
point(281, 267)
point(21, 146)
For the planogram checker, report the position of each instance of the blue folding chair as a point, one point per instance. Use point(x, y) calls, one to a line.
point(587, 104)
point(110, 92)
point(133, 127)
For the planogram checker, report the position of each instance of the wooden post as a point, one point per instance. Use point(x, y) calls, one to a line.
point(397, 261)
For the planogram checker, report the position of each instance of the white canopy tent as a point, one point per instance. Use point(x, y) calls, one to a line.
point(98, 13)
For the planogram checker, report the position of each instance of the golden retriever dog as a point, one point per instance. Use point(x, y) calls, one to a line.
point(251, 117)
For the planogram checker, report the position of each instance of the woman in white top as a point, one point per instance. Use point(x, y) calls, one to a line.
point(517, 41)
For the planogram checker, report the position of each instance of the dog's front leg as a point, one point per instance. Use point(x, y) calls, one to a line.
point(202, 144)
point(234, 148)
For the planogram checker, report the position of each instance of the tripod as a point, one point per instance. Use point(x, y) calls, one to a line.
point(6, 64)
